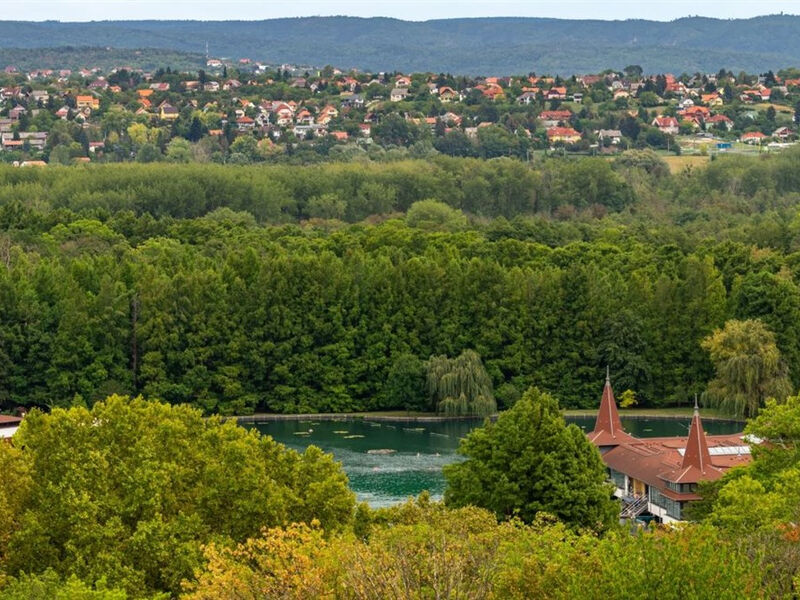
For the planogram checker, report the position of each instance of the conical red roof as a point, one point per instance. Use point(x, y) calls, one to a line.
point(608, 429)
point(696, 465)
point(697, 454)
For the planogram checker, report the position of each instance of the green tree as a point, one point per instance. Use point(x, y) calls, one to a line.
point(130, 490)
point(405, 383)
point(179, 150)
point(49, 586)
point(461, 385)
point(530, 462)
point(148, 153)
point(434, 215)
point(749, 367)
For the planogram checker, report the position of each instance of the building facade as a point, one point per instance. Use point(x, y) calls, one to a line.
point(658, 477)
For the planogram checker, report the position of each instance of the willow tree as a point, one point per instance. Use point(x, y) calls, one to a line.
point(749, 367)
point(461, 385)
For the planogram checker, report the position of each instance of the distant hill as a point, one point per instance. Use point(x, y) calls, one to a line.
point(468, 46)
point(69, 57)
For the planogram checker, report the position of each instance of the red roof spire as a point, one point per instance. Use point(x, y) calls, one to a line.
point(696, 453)
point(608, 429)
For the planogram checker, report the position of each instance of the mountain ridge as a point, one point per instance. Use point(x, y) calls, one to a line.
point(507, 44)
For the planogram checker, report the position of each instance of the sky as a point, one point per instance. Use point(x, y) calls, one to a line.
point(411, 10)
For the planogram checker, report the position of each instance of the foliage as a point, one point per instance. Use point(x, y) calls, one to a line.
point(749, 367)
point(48, 586)
point(530, 462)
point(131, 489)
point(460, 386)
point(420, 550)
point(283, 563)
point(432, 215)
point(192, 283)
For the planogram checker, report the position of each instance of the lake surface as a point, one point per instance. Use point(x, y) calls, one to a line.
point(421, 448)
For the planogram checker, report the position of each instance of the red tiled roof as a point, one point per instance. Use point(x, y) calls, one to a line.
point(608, 429)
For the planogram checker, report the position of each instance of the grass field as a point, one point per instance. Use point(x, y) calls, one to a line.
point(679, 163)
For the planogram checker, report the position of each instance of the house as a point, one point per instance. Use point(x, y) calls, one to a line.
point(557, 93)
point(353, 101)
point(402, 82)
point(752, 137)
point(160, 87)
point(613, 135)
point(526, 98)
point(95, 146)
point(39, 96)
point(245, 123)
point(89, 102)
point(667, 125)
point(711, 99)
point(448, 94)
point(15, 113)
point(551, 118)
point(34, 139)
point(659, 476)
point(339, 136)
point(214, 63)
point(8, 426)
point(398, 94)
point(98, 84)
point(167, 112)
point(63, 112)
point(365, 129)
point(211, 86)
point(719, 121)
point(303, 131)
point(563, 134)
point(231, 84)
point(783, 133)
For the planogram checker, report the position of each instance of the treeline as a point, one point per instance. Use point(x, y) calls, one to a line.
point(146, 279)
point(349, 192)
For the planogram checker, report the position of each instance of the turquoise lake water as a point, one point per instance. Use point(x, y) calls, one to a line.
point(421, 449)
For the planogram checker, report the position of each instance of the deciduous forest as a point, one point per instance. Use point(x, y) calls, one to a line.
point(301, 289)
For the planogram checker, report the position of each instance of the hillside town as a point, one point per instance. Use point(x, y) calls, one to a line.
point(246, 112)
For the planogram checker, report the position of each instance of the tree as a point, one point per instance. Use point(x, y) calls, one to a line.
point(142, 485)
point(405, 384)
point(435, 215)
point(749, 367)
point(461, 385)
point(633, 71)
point(530, 462)
point(147, 153)
point(49, 586)
point(179, 150)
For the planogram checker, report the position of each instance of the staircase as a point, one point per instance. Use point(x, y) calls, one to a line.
point(631, 510)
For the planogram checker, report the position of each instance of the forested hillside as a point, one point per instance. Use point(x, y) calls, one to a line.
point(105, 58)
point(233, 289)
point(507, 45)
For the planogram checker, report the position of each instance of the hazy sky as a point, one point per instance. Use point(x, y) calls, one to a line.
point(414, 10)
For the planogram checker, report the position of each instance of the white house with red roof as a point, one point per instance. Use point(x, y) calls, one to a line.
point(667, 125)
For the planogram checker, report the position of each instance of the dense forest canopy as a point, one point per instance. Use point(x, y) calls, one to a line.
point(508, 45)
point(220, 287)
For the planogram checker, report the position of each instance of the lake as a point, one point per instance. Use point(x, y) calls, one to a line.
point(421, 448)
